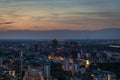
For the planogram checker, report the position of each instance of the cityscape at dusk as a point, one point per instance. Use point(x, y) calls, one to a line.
point(59, 40)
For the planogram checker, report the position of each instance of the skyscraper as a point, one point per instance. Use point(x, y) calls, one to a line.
point(76, 66)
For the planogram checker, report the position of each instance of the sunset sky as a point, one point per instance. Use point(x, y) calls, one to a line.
point(59, 14)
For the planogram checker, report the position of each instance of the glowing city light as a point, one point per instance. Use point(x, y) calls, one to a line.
point(87, 63)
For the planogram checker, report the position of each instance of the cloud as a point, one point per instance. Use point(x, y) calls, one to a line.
point(73, 14)
point(101, 14)
point(85, 17)
point(6, 23)
point(37, 18)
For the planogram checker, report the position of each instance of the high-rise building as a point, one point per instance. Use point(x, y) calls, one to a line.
point(21, 62)
point(54, 43)
point(1, 61)
point(71, 63)
point(78, 56)
point(47, 70)
point(66, 64)
point(76, 66)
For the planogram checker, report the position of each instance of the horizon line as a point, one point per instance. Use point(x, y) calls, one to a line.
point(61, 30)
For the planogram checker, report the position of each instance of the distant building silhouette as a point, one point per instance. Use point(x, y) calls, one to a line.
point(54, 43)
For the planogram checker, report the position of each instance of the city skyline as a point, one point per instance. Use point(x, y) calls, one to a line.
point(59, 15)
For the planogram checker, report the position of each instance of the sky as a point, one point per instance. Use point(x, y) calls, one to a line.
point(59, 14)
